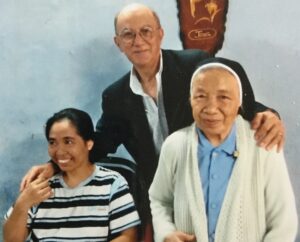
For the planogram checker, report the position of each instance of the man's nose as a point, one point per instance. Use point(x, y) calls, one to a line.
point(138, 39)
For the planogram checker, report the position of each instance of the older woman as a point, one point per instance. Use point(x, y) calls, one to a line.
point(213, 183)
point(84, 203)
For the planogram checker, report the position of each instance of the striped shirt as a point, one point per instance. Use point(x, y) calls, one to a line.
point(98, 209)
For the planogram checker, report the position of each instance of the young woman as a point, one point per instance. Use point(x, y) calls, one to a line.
point(83, 202)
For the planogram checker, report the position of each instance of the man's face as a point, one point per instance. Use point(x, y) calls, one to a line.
point(146, 35)
point(215, 103)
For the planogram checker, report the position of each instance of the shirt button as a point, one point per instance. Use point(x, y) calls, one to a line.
point(213, 205)
point(214, 154)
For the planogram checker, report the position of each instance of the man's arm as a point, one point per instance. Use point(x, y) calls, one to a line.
point(108, 137)
point(110, 128)
point(269, 130)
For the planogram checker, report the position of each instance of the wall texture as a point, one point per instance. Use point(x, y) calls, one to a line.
point(59, 53)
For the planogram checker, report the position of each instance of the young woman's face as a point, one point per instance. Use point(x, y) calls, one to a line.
point(66, 148)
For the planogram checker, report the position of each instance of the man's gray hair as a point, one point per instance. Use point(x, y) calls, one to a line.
point(155, 15)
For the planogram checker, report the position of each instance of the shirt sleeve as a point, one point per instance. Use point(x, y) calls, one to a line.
point(8, 213)
point(122, 211)
point(161, 195)
point(281, 214)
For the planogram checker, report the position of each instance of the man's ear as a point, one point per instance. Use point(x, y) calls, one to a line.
point(161, 33)
point(117, 43)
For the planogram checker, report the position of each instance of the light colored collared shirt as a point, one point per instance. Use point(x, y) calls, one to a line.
point(155, 112)
point(215, 168)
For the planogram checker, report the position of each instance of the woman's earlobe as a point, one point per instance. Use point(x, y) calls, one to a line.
point(90, 144)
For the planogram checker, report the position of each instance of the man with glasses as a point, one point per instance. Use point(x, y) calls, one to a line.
point(152, 101)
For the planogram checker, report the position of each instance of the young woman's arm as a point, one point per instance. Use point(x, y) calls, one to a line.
point(15, 227)
point(128, 235)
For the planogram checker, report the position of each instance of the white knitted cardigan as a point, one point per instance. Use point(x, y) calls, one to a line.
point(259, 203)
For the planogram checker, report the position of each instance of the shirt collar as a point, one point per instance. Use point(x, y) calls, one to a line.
point(135, 84)
point(228, 145)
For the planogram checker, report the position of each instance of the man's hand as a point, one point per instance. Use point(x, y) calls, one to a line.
point(179, 236)
point(41, 171)
point(269, 130)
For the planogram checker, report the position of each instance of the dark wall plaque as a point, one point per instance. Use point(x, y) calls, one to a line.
point(202, 23)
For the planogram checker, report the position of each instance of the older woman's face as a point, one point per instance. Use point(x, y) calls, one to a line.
point(215, 103)
point(66, 148)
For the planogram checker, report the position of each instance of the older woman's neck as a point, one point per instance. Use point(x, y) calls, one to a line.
point(217, 139)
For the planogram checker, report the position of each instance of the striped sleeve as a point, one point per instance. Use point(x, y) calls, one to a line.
point(8, 213)
point(122, 211)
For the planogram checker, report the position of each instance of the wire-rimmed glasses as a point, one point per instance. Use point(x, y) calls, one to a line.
point(128, 35)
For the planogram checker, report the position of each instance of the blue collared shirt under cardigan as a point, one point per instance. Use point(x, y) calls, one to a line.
point(215, 167)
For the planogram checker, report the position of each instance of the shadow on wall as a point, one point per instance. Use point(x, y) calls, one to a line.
point(8, 191)
point(100, 64)
point(21, 156)
point(30, 151)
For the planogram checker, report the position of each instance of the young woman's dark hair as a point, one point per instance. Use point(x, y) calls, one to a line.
point(80, 119)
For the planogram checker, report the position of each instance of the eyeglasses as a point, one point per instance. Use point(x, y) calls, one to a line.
point(128, 36)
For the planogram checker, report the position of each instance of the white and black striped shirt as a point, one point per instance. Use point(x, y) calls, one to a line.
point(98, 209)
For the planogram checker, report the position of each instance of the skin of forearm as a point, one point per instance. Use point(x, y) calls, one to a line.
point(129, 235)
point(15, 228)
